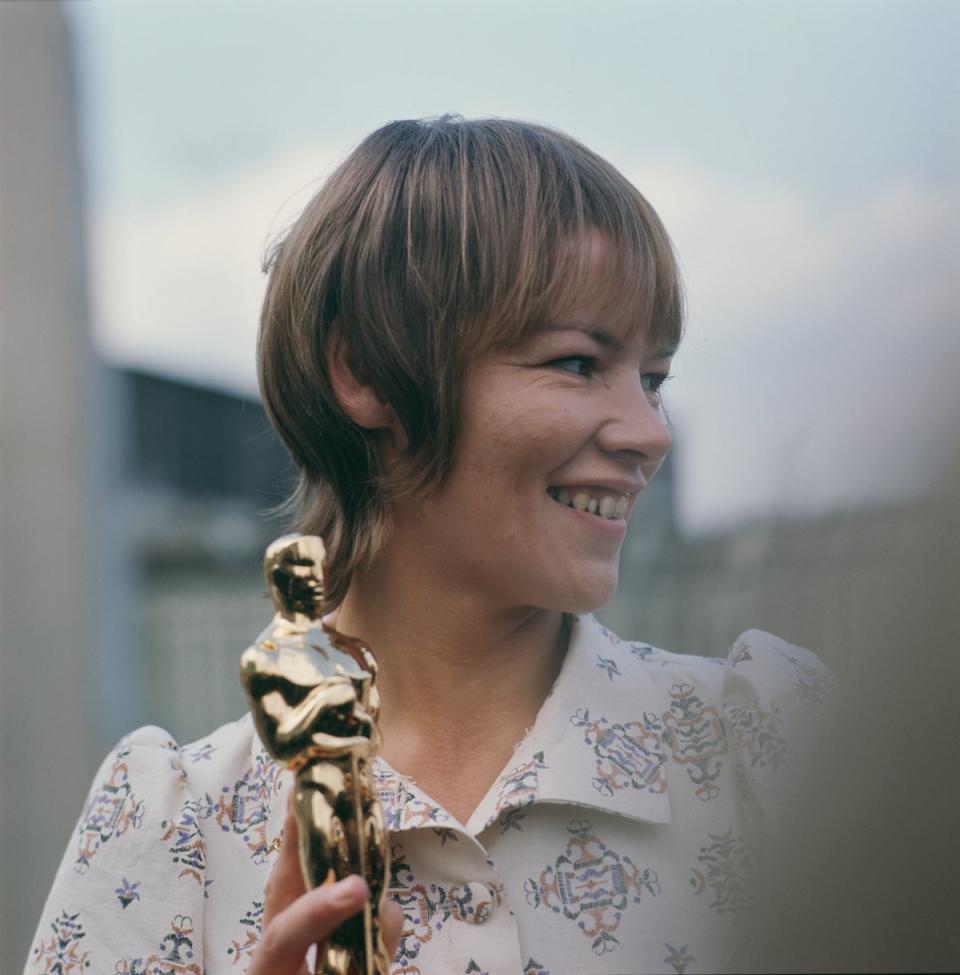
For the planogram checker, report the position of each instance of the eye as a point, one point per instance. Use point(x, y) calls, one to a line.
point(580, 365)
point(652, 381)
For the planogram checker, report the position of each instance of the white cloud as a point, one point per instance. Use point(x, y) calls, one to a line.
point(178, 288)
point(821, 347)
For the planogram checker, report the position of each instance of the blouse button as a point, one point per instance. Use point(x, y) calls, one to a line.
point(476, 902)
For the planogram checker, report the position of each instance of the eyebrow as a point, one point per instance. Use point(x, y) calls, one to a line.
point(605, 339)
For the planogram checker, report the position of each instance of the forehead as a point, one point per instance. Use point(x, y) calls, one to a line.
point(626, 287)
point(602, 289)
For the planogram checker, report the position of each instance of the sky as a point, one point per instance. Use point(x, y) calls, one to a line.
point(803, 155)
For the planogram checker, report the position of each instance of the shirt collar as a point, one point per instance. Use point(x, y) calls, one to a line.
point(405, 804)
point(597, 741)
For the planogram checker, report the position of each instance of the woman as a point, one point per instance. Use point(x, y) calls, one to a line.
point(463, 345)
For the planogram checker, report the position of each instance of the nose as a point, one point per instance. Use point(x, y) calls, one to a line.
point(635, 424)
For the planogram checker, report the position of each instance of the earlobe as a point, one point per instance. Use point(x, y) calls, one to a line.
point(359, 401)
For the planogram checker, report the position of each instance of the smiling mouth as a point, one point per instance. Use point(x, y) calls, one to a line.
point(609, 505)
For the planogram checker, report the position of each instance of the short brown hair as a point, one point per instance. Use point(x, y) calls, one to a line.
point(437, 240)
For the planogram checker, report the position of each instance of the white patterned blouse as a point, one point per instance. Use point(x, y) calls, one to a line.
point(617, 840)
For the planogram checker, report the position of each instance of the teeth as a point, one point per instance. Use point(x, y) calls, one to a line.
point(606, 506)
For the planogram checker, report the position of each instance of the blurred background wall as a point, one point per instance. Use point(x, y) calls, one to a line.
point(50, 466)
point(803, 156)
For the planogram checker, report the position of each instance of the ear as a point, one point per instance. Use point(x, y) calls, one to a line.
point(360, 402)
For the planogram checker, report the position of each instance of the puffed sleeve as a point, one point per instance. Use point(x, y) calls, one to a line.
point(128, 896)
point(774, 697)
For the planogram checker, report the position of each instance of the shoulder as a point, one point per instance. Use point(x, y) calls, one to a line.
point(756, 664)
point(149, 788)
point(761, 663)
point(163, 823)
point(764, 691)
point(642, 663)
point(725, 725)
point(149, 777)
point(153, 755)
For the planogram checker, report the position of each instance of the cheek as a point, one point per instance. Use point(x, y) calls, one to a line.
point(516, 440)
point(515, 447)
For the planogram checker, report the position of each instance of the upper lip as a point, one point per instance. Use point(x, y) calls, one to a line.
point(608, 485)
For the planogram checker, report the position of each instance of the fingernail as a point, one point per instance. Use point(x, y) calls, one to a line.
point(349, 891)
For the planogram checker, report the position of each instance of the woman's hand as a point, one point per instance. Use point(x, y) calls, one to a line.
point(294, 919)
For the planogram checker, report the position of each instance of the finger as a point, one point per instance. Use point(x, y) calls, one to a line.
point(308, 920)
point(393, 921)
point(285, 883)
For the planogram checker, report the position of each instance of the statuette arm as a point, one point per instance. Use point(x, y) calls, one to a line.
point(335, 697)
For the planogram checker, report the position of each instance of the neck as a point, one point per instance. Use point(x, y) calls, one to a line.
point(297, 619)
point(447, 661)
point(427, 640)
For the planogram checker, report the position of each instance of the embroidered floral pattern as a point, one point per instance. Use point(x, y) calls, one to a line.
point(175, 956)
point(251, 924)
point(591, 885)
point(427, 909)
point(642, 651)
point(446, 835)
point(511, 819)
point(694, 732)
point(421, 912)
point(185, 838)
point(245, 808)
point(609, 635)
point(628, 756)
point(127, 893)
point(403, 807)
point(678, 958)
point(813, 685)
point(518, 788)
point(740, 782)
point(202, 753)
point(60, 954)
point(728, 870)
point(758, 735)
point(532, 967)
point(608, 666)
point(111, 811)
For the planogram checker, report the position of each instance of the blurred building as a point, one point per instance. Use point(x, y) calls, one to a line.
point(130, 508)
point(52, 465)
point(845, 584)
point(201, 472)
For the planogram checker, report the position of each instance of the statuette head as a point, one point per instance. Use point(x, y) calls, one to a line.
point(293, 566)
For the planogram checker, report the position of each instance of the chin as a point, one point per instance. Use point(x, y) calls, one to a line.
point(592, 594)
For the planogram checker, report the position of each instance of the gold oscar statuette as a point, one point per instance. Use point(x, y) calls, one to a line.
point(313, 695)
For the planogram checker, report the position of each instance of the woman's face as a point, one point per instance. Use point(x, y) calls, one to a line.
point(570, 419)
